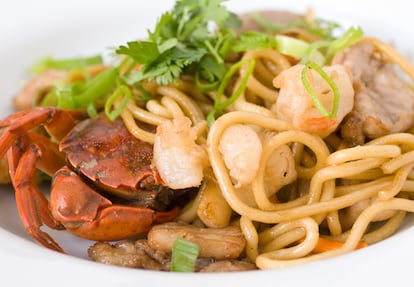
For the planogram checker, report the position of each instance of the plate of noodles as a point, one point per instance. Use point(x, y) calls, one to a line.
point(282, 129)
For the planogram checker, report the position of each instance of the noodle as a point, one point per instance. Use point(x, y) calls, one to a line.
point(270, 260)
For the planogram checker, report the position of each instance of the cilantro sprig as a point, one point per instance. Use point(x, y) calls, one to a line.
point(182, 41)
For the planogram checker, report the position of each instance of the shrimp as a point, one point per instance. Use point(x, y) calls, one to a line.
point(294, 104)
point(280, 169)
point(38, 86)
point(241, 148)
point(177, 157)
point(27, 96)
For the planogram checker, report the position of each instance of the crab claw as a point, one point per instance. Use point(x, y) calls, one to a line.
point(87, 214)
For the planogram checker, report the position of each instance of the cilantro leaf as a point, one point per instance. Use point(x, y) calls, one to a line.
point(180, 40)
point(170, 64)
point(142, 51)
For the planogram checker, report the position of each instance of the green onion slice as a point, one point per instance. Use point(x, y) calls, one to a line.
point(351, 36)
point(313, 94)
point(97, 88)
point(112, 111)
point(298, 49)
point(184, 255)
point(65, 64)
point(219, 105)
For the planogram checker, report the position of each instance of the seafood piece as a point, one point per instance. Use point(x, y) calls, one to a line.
point(36, 88)
point(241, 148)
point(25, 99)
point(218, 243)
point(295, 105)
point(177, 157)
point(107, 191)
point(4, 171)
point(280, 169)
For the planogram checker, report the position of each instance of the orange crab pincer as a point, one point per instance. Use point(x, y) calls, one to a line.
point(103, 187)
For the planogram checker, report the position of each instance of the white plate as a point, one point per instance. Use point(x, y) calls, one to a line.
point(30, 30)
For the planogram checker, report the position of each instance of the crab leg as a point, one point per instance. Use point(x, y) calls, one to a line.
point(88, 214)
point(57, 122)
point(31, 203)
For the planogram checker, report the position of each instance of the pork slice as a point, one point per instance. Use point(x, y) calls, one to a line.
point(273, 16)
point(384, 102)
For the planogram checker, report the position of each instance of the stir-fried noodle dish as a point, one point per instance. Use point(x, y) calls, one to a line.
point(219, 142)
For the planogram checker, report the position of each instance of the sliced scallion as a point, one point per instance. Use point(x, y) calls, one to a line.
point(299, 49)
point(112, 111)
point(351, 36)
point(65, 64)
point(184, 255)
point(219, 105)
point(97, 88)
point(313, 94)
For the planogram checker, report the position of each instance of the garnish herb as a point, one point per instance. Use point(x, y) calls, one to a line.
point(181, 40)
point(184, 255)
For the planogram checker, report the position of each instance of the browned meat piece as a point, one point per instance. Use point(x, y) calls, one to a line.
point(218, 243)
point(274, 16)
point(128, 254)
point(384, 103)
point(352, 129)
point(140, 255)
point(229, 266)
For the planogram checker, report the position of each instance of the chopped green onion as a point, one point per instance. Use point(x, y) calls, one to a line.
point(64, 97)
point(313, 94)
point(220, 106)
point(319, 27)
point(91, 110)
point(283, 44)
point(184, 255)
point(298, 49)
point(351, 36)
point(122, 90)
point(254, 40)
point(213, 52)
point(146, 96)
point(225, 42)
point(313, 55)
point(65, 64)
point(291, 46)
point(97, 88)
point(49, 99)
